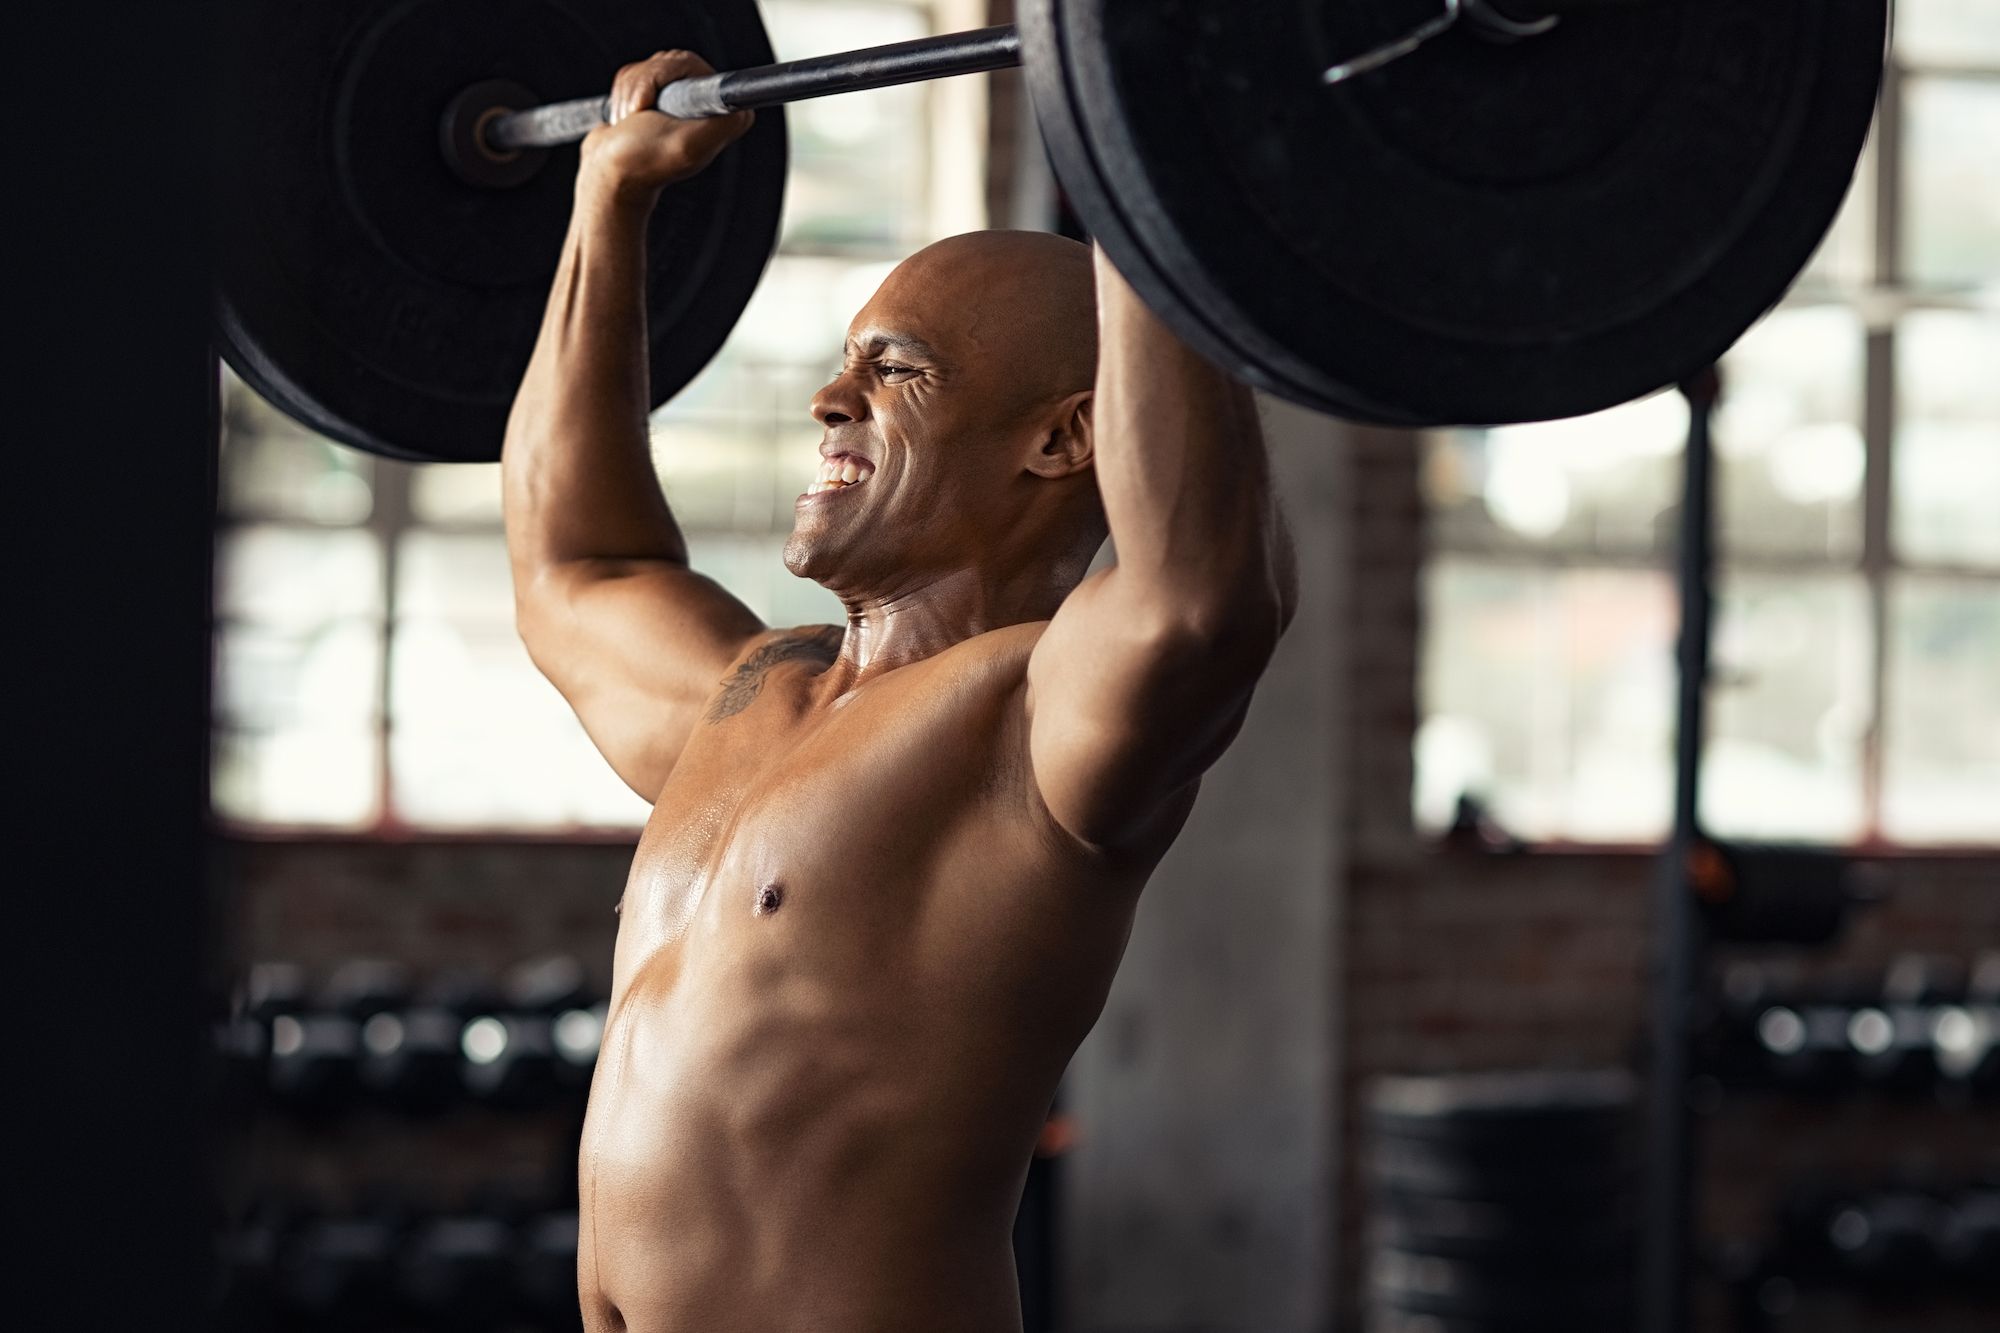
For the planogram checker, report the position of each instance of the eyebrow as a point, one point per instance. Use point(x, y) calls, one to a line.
point(877, 343)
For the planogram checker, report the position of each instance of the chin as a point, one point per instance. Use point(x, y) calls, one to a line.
point(812, 556)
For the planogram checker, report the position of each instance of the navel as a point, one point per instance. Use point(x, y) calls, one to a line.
point(770, 898)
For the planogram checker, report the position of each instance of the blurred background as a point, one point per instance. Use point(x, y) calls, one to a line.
point(1427, 854)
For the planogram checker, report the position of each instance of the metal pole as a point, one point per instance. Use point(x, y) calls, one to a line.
point(926, 58)
point(1677, 941)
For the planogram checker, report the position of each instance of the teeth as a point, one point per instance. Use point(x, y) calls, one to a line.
point(836, 473)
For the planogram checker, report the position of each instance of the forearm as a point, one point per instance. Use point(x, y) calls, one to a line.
point(1181, 466)
point(577, 470)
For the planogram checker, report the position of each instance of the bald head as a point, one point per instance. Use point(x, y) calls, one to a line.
point(1026, 300)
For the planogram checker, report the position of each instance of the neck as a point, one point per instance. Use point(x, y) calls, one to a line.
point(885, 631)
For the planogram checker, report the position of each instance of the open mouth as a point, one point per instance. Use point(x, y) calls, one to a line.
point(840, 472)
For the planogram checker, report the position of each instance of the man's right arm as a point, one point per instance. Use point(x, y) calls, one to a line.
point(604, 598)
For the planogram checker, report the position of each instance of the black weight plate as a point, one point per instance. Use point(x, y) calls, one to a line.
point(1475, 1222)
point(1386, 1318)
point(1601, 1240)
point(1499, 1102)
point(1600, 1138)
point(1463, 1283)
point(368, 292)
point(1478, 232)
point(1399, 1166)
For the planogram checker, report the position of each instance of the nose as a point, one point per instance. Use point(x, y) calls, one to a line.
point(839, 401)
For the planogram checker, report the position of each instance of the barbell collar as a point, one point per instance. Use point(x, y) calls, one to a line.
point(926, 58)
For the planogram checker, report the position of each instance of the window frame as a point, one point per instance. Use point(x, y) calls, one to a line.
point(1881, 298)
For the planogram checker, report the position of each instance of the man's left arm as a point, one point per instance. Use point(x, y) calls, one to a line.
point(1145, 673)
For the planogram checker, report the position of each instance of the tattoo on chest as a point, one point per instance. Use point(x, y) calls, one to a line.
point(741, 687)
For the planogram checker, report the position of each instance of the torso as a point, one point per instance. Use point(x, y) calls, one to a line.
point(854, 957)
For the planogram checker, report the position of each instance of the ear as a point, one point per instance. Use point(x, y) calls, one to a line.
point(1064, 446)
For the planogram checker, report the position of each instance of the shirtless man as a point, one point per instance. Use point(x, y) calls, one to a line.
point(892, 864)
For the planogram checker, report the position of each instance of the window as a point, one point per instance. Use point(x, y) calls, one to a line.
point(368, 673)
point(1856, 693)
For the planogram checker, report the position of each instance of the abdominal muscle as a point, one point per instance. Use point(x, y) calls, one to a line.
point(773, 1146)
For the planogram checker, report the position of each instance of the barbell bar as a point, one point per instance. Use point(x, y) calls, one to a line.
point(975, 52)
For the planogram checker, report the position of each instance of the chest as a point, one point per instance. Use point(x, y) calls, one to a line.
point(800, 798)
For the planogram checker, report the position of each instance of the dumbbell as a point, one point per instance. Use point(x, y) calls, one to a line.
point(338, 1271)
point(1894, 1039)
point(412, 1058)
point(1971, 1248)
point(311, 1066)
point(545, 1272)
point(539, 1043)
point(1891, 1239)
point(246, 1268)
point(456, 1271)
point(1966, 1037)
point(240, 1047)
point(1802, 1041)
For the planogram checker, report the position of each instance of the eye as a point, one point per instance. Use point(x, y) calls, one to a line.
point(890, 372)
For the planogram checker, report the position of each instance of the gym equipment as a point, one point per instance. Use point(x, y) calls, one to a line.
point(1501, 1201)
point(410, 1058)
point(538, 1044)
point(1924, 1030)
point(457, 1271)
point(311, 1052)
point(1442, 238)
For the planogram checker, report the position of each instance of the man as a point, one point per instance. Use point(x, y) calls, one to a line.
point(892, 864)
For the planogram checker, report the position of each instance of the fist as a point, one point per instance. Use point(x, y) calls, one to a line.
point(640, 149)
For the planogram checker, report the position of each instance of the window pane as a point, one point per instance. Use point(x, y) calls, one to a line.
point(1789, 453)
point(1941, 737)
point(1549, 694)
point(296, 578)
point(477, 737)
point(1846, 256)
point(1947, 473)
point(454, 493)
point(1951, 211)
point(1952, 31)
point(1605, 482)
point(753, 568)
point(307, 779)
point(272, 467)
point(859, 176)
point(296, 712)
point(1788, 709)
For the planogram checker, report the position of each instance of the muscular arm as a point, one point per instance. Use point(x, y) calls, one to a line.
point(604, 598)
point(1145, 673)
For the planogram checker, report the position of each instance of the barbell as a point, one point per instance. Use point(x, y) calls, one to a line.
point(1411, 212)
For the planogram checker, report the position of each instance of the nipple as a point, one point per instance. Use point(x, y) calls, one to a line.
point(769, 899)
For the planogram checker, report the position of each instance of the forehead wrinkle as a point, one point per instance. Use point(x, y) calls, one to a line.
point(873, 342)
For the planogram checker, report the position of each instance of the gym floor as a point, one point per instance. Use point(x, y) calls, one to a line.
point(1430, 853)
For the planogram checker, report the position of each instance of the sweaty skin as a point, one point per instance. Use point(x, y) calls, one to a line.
point(891, 864)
